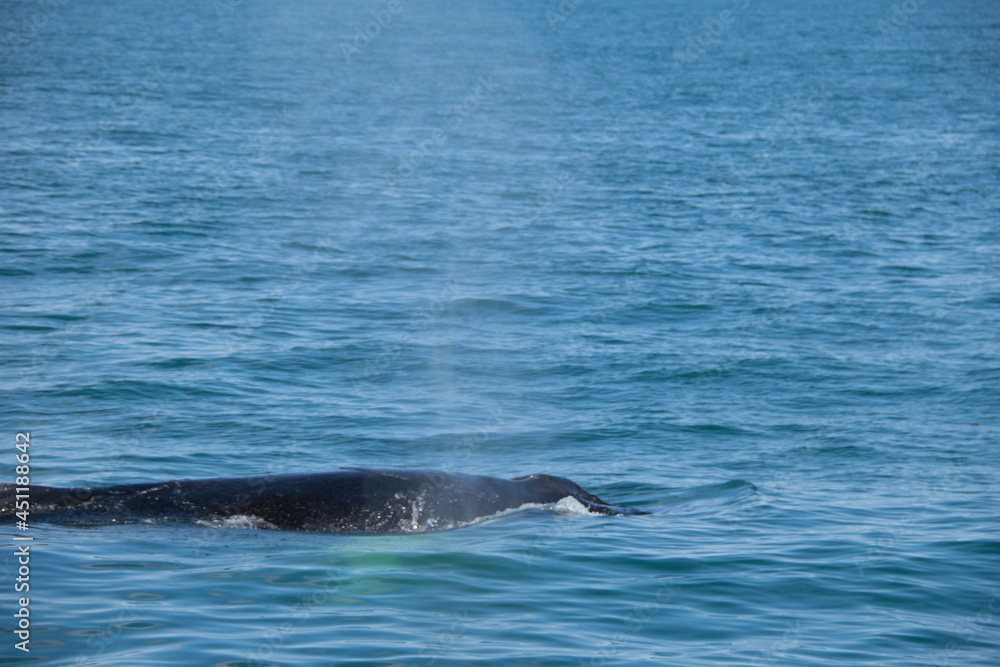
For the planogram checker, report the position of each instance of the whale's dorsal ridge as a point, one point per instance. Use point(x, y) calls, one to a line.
point(373, 471)
point(348, 499)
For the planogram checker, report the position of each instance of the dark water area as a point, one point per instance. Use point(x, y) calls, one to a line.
point(735, 263)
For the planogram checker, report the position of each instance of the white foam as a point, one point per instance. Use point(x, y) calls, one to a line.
point(239, 521)
point(568, 505)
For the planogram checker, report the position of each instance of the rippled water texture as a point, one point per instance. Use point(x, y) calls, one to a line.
point(733, 262)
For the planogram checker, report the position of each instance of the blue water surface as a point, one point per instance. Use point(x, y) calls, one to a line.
point(735, 262)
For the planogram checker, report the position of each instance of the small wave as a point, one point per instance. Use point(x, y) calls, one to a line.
point(710, 497)
point(479, 305)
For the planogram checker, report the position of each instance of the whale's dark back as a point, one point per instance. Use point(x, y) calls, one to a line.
point(341, 500)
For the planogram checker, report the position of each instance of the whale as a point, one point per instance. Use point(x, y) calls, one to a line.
point(343, 500)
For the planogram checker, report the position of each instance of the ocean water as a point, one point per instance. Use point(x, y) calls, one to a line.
point(734, 262)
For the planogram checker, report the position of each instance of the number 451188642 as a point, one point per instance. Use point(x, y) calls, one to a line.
point(22, 442)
